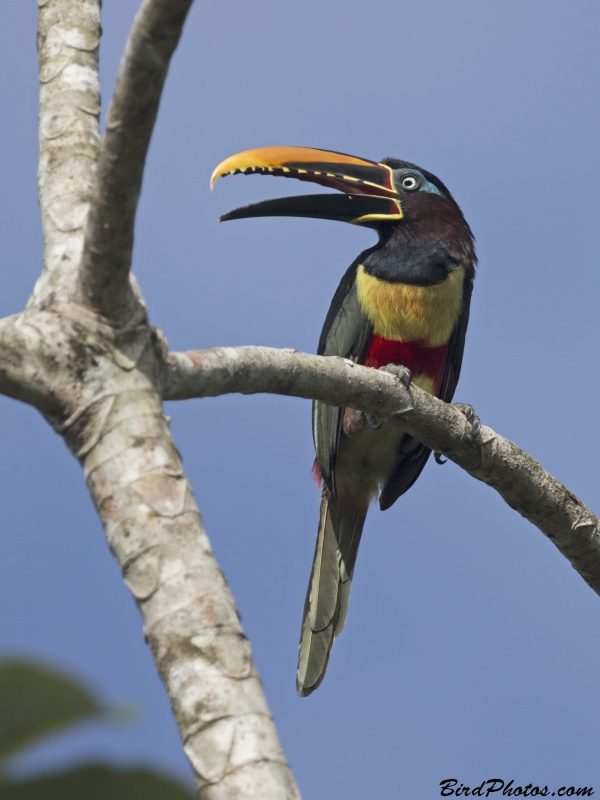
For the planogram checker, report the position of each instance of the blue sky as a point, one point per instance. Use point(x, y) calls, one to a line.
point(472, 647)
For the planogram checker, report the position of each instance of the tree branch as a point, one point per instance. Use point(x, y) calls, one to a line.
point(104, 271)
point(136, 479)
point(93, 369)
point(68, 38)
point(487, 456)
point(24, 374)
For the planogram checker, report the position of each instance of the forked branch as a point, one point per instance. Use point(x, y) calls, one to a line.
point(85, 354)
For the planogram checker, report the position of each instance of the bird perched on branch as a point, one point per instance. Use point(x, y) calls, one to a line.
point(403, 302)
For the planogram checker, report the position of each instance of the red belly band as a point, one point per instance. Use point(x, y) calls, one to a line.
point(416, 356)
point(419, 359)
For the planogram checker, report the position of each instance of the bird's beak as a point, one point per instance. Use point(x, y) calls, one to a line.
point(369, 198)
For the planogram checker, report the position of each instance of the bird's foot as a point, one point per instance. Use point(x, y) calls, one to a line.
point(439, 459)
point(402, 373)
point(404, 376)
point(471, 416)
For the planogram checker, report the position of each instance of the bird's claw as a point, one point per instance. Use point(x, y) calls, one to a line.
point(404, 375)
point(471, 416)
point(439, 459)
point(371, 421)
point(400, 372)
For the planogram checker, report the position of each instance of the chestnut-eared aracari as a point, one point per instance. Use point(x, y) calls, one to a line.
point(404, 302)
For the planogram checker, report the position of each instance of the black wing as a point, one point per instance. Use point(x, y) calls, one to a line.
point(456, 346)
point(413, 456)
point(346, 333)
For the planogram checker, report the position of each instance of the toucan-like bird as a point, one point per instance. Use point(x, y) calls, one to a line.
point(405, 302)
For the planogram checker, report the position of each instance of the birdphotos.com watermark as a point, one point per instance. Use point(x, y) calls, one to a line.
point(497, 788)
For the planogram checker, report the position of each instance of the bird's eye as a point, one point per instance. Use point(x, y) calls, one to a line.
point(410, 183)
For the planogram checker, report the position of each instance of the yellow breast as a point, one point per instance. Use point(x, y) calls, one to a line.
point(405, 313)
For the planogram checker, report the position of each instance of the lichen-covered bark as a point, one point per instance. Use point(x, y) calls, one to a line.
point(26, 363)
point(68, 39)
point(85, 354)
point(136, 480)
point(489, 457)
point(104, 270)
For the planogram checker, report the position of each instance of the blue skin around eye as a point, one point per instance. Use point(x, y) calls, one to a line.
point(429, 187)
point(426, 186)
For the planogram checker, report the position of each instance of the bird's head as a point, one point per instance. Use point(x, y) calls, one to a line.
point(407, 205)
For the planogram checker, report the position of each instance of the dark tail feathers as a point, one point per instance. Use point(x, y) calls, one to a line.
point(326, 605)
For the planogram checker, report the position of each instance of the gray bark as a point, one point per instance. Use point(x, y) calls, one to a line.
point(104, 269)
point(85, 354)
